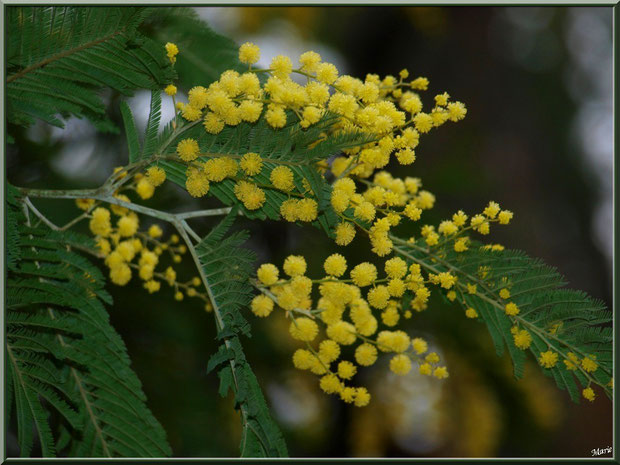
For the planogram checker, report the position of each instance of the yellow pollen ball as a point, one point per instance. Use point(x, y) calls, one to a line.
point(249, 53)
point(400, 364)
point(303, 329)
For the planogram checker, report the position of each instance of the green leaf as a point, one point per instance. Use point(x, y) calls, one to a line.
point(152, 126)
point(225, 270)
point(133, 144)
point(61, 349)
point(203, 54)
point(558, 319)
point(291, 146)
point(58, 58)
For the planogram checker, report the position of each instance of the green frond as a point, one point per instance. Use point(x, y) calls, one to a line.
point(64, 356)
point(58, 58)
point(131, 133)
point(152, 125)
point(291, 146)
point(226, 268)
point(203, 54)
point(558, 319)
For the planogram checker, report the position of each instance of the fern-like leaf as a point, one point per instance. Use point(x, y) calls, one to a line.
point(59, 57)
point(63, 354)
point(558, 319)
point(225, 269)
point(290, 146)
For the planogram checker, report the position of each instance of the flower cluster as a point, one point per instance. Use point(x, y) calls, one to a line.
point(333, 312)
point(127, 250)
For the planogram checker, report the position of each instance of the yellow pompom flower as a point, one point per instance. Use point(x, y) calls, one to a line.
point(127, 225)
point(155, 231)
point(346, 370)
point(405, 156)
point(366, 354)
point(84, 204)
point(471, 313)
point(589, 365)
point(326, 73)
point(511, 309)
point(281, 66)
point(588, 393)
point(251, 163)
point(198, 97)
point(152, 286)
point(419, 345)
point(456, 111)
point(156, 175)
point(303, 329)
point(426, 369)
point(504, 293)
point(491, 210)
point(345, 232)
point(460, 245)
point(188, 149)
point(423, 122)
point(252, 196)
point(364, 274)
point(396, 267)
point(365, 211)
point(329, 351)
point(303, 359)
point(309, 61)
point(213, 124)
point(447, 228)
point(217, 169)
point(307, 210)
point(145, 189)
point(172, 50)
point(120, 274)
point(400, 364)
point(330, 384)
point(442, 99)
point(335, 265)
point(342, 332)
point(362, 397)
point(282, 178)
point(339, 200)
point(440, 372)
point(288, 210)
point(262, 306)
point(504, 216)
point(100, 224)
point(390, 316)
point(267, 274)
point(522, 339)
point(396, 287)
point(378, 297)
point(548, 359)
point(276, 117)
point(294, 265)
point(249, 53)
point(191, 113)
point(171, 89)
point(104, 246)
point(197, 184)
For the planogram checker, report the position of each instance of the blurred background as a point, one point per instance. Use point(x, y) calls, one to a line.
point(537, 138)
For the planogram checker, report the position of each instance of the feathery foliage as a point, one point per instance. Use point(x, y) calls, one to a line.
point(558, 319)
point(205, 54)
point(290, 146)
point(225, 269)
point(64, 356)
point(58, 58)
